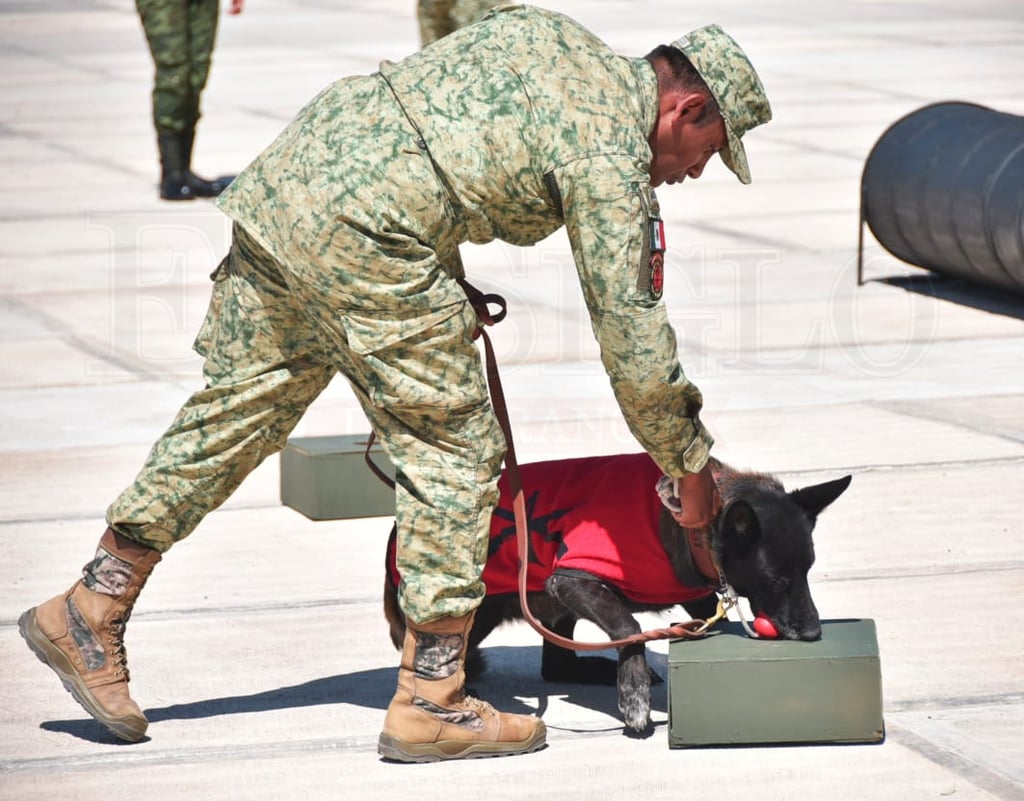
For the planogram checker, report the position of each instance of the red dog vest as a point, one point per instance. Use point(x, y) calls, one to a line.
point(597, 514)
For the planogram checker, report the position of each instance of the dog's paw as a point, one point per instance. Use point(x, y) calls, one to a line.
point(636, 712)
point(635, 694)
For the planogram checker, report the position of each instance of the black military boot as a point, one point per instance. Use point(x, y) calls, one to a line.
point(200, 187)
point(174, 183)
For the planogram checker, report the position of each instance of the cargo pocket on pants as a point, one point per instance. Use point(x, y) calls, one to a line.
point(427, 360)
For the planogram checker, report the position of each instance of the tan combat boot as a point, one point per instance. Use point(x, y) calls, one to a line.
point(431, 718)
point(80, 634)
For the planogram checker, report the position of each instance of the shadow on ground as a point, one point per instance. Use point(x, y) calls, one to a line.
point(963, 293)
point(511, 690)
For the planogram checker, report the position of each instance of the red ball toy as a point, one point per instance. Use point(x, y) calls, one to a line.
point(765, 628)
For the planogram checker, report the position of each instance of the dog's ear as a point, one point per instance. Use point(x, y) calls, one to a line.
point(740, 526)
point(814, 499)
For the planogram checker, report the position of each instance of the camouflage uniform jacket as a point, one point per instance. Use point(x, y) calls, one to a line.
point(598, 515)
point(531, 123)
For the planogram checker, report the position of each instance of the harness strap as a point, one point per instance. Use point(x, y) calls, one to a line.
point(692, 629)
point(703, 554)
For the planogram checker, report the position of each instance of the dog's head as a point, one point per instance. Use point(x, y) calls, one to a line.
point(764, 546)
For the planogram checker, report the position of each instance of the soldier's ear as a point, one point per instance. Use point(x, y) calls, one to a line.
point(691, 105)
point(815, 498)
point(679, 106)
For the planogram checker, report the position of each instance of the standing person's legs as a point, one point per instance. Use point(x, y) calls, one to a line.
point(203, 16)
point(466, 12)
point(438, 18)
point(181, 35)
point(434, 17)
point(165, 23)
point(264, 366)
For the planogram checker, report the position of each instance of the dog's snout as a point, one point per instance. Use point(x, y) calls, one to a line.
point(805, 632)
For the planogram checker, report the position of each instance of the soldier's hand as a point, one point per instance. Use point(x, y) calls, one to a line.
point(699, 499)
point(236, 6)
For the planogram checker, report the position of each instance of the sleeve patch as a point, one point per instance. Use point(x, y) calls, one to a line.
point(651, 278)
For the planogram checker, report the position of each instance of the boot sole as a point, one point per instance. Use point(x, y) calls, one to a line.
point(129, 729)
point(400, 751)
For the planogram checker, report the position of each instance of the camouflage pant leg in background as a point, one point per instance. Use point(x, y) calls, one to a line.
point(438, 18)
point(264, 366)
point(181, 36)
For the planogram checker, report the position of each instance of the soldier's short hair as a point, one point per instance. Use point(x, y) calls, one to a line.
point(679, 74)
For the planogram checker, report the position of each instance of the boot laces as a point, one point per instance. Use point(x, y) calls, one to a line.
point(117, 650)
point(478, 705)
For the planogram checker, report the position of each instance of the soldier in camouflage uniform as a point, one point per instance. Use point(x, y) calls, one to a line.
point(345, 259)
point(181, 34)
point(438, 18)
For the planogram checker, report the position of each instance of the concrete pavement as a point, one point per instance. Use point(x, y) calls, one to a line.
point(259, 650)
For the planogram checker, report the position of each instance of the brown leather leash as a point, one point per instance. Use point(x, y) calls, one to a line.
point(700, 540)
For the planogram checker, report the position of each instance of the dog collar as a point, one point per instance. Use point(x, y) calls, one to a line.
point(703, 553)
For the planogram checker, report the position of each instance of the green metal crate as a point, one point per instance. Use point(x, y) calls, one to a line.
point(730, 689)
point(327, 478)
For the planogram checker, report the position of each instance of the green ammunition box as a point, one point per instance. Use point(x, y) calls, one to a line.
point(730, 689)
point(327, 478)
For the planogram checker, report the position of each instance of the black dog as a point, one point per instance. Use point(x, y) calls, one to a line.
point(602, 547)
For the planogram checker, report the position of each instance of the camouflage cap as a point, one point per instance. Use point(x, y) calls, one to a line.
point(735, 86)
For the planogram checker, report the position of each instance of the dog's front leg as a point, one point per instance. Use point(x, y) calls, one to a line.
point(594, 601)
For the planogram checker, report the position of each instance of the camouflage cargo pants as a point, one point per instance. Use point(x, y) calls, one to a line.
point(181, 35)
point(271, 346)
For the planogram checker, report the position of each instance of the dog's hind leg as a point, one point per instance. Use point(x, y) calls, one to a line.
point(393, 614)
point(561, 664)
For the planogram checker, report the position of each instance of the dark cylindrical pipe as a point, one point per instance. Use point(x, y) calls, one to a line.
point(943, 188)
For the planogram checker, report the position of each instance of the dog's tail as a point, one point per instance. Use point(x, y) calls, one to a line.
point(393, 613)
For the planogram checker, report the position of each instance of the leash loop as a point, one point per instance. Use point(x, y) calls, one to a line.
point(481, 303)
